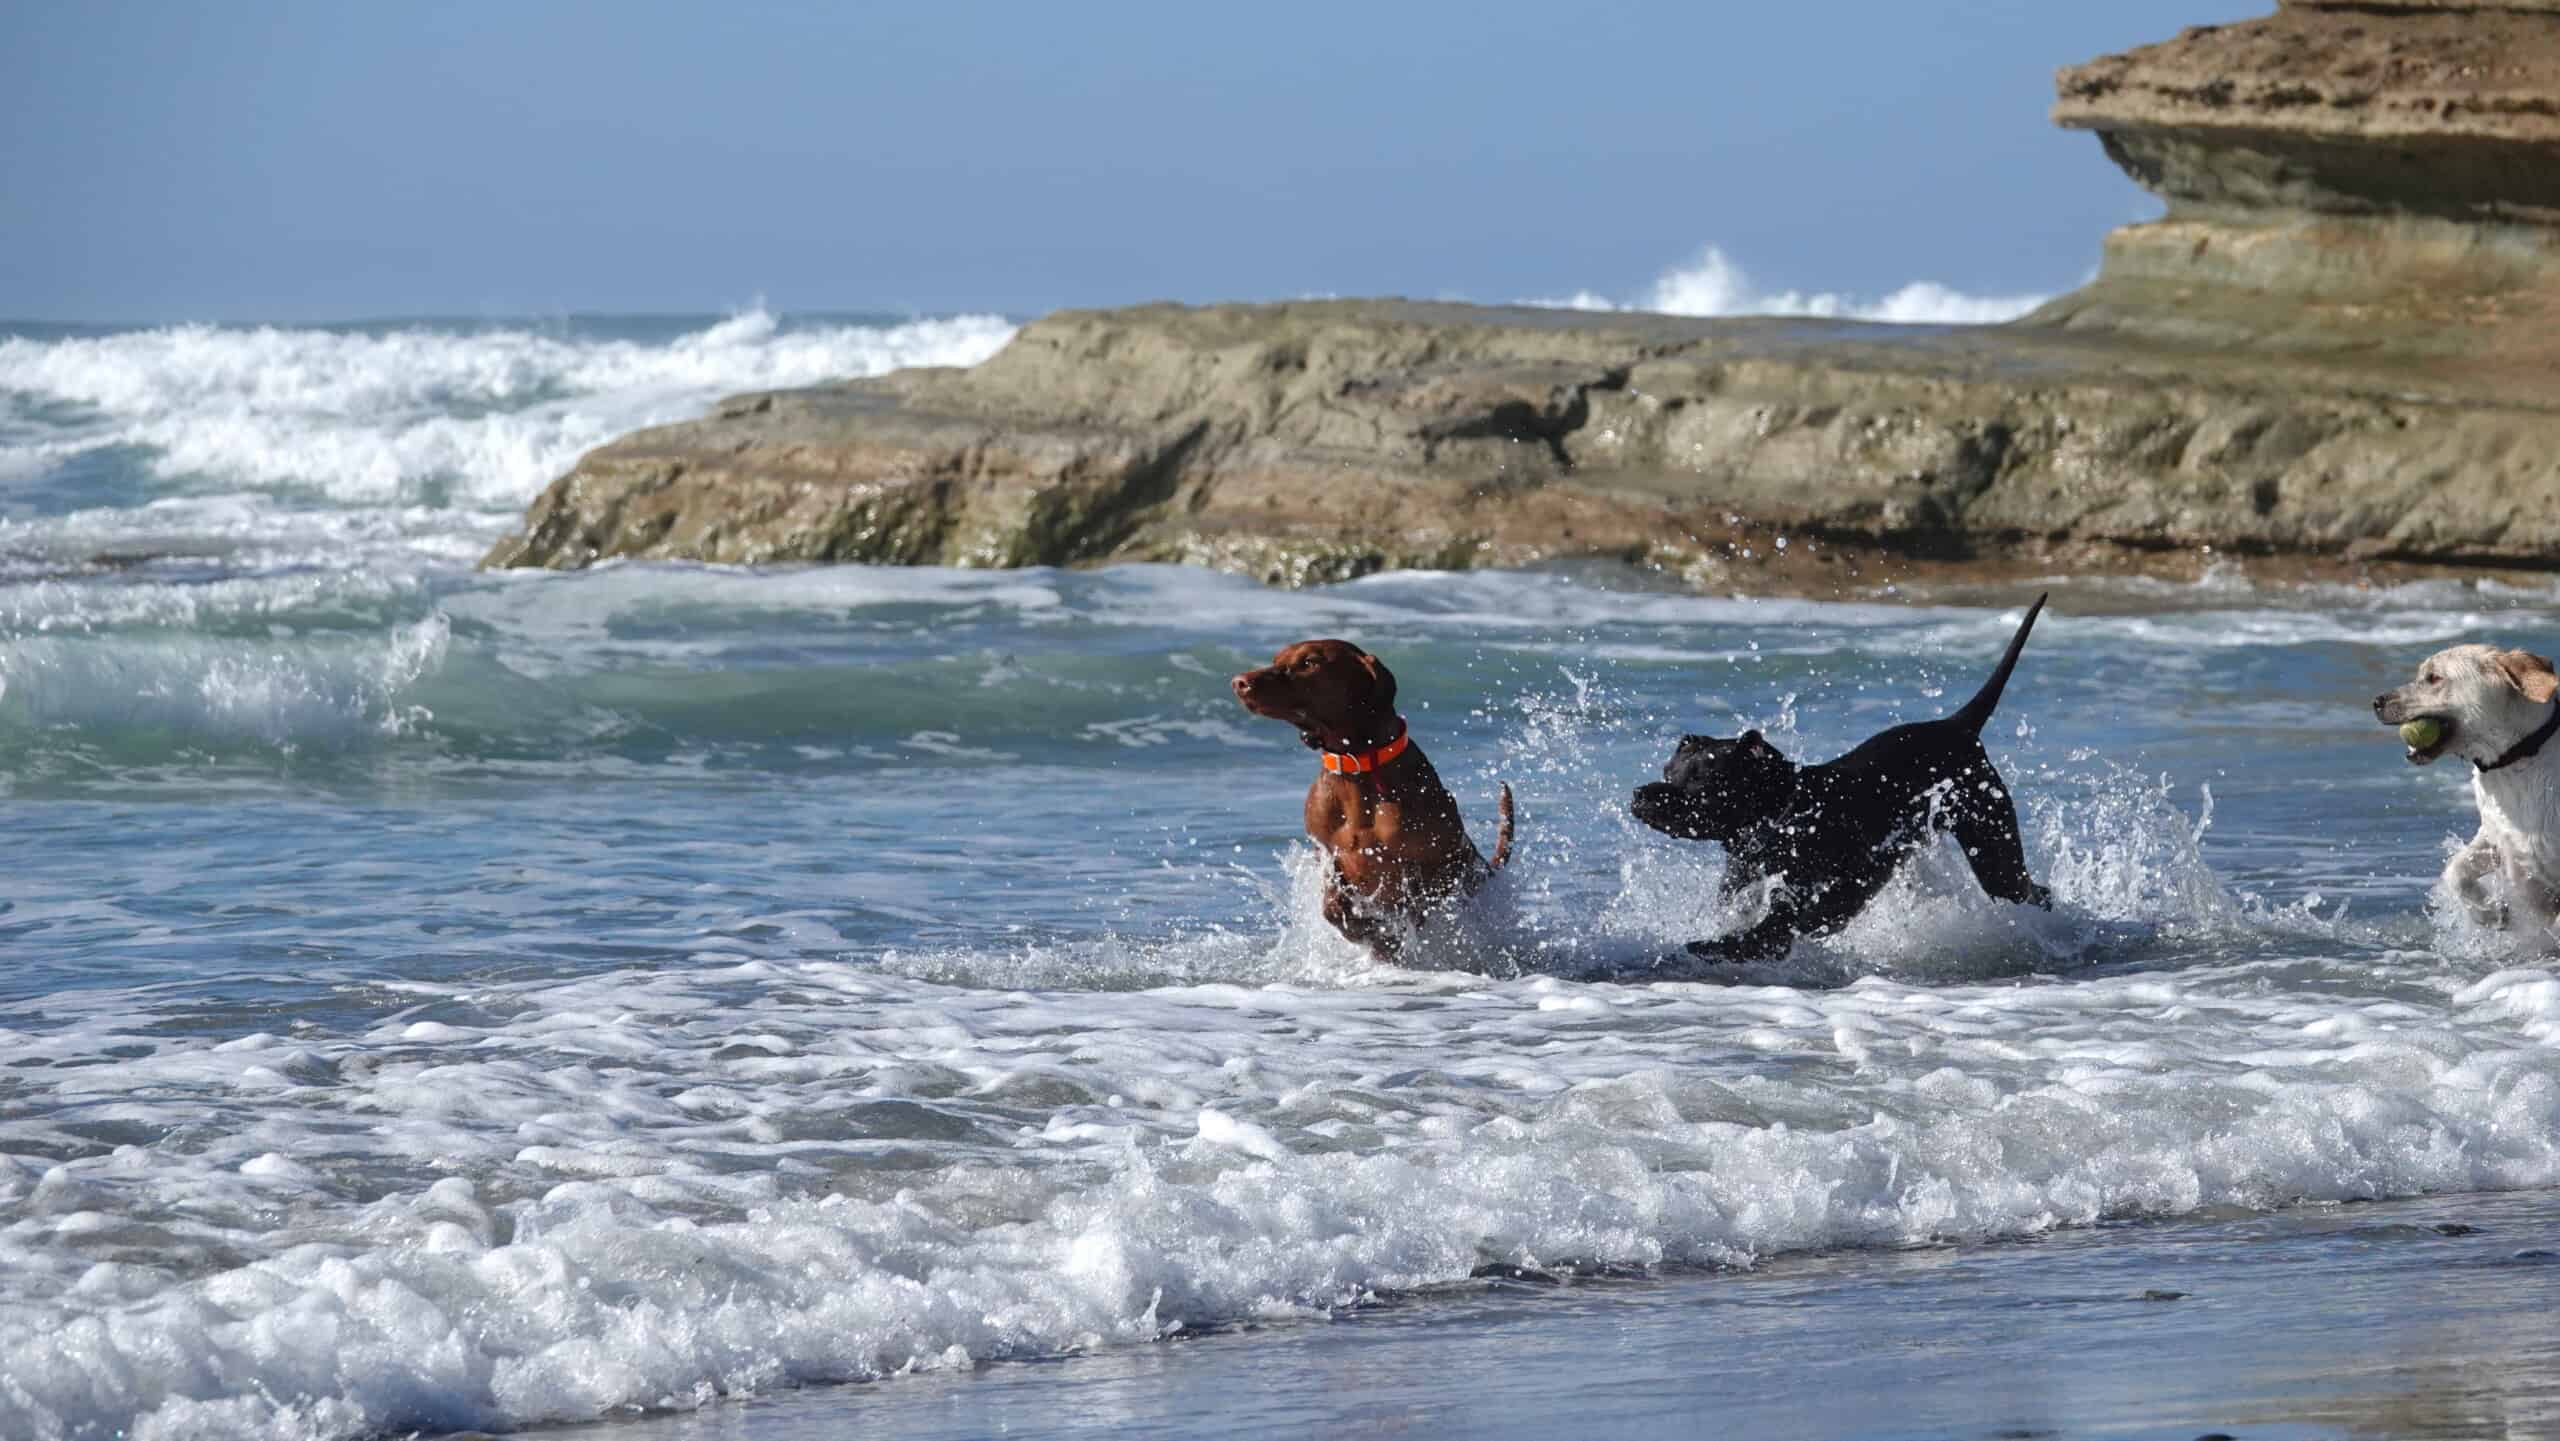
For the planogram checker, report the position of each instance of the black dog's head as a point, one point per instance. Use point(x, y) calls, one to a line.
point(1714, 789)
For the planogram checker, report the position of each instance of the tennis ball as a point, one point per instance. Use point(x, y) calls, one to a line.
point(2419, 735)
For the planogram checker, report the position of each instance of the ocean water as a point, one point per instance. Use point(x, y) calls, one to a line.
point(433, 1000)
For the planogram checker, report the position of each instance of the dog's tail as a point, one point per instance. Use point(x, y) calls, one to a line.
point(1502, 830)
point(1977, 711)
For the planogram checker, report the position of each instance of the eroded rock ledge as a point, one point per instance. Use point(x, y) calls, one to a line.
point(2340, 346)
point(2441, 110)
point(2374, 181)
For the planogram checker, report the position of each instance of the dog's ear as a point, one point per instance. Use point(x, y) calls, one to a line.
point(1382, 681)
point(1755, 751)
point(2529, 673)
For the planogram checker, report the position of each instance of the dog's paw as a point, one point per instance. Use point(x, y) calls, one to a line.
point(2040, 898)
point(1720, 952)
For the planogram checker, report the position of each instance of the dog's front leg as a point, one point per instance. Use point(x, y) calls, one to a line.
point(1348, 912)
point(2531, 904)
point(2466, 880)
point(1765, 941)
point(1742, 876)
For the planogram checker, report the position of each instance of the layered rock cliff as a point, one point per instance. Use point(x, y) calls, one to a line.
point(2340, 344)
point(2376, 182)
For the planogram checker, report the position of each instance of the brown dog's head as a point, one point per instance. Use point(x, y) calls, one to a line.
point(2484, 698)
point(1334, 692)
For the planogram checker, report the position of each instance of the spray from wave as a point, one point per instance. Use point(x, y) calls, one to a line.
point(1713, 284)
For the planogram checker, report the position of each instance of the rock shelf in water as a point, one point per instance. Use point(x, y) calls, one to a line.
point(2340, 348)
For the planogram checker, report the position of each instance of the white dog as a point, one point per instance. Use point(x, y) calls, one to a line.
point(2496, 709)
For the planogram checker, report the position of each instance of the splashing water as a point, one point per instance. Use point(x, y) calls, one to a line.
point(446, 1000)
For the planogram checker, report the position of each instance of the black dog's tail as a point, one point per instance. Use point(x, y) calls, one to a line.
point(1977, 711)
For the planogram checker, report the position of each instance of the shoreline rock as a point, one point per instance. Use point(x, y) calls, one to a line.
point(2298, 370)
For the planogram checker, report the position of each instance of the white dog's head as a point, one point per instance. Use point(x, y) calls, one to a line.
point(2486, 699)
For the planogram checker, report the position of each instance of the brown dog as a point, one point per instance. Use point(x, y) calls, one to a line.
point(1398, 849)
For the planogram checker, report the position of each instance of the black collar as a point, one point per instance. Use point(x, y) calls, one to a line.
point(2527, 748)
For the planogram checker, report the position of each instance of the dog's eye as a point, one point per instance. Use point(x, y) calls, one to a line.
point(2431, 678)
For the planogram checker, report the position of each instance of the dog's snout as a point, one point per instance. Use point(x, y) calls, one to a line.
point(2382, 703)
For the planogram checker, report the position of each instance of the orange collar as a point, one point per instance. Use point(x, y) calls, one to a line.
point(1357, 763)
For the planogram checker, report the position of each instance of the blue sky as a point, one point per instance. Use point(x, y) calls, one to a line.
point(295, 161)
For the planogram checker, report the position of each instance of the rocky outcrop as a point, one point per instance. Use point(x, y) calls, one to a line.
point(2435, 110)
point(2339, 347)
point(1318, 440)
point(2375, 180)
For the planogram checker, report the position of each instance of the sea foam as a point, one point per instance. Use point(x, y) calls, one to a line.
point(650, 1190)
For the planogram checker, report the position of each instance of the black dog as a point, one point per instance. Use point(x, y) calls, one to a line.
point(1834, 833)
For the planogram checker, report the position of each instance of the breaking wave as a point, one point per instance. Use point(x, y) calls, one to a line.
point(415, 414)
point(1714, 284)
